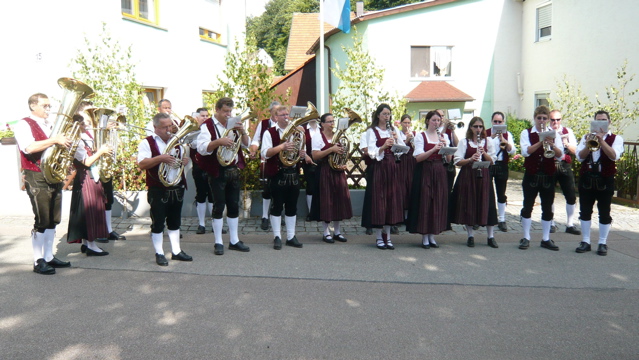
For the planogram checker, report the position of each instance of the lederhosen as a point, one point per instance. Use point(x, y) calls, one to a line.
point(597, 183)
point(223, 181)
point(539, 178)
point(565, 175)
point(284, 181)
point(46, 199)
point(266, 189)
point(165, 202)
point(499, 171)
point(201, 179)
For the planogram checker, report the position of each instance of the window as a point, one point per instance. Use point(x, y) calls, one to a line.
point(541, 98)
point(430, 61)
point(544, 22)
point(154, 95)
point(143, 10)
point(209, 35)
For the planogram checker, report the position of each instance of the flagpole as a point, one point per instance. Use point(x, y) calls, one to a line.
point(321, 61)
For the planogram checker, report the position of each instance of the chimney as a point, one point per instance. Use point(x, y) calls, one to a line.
point(359, 9)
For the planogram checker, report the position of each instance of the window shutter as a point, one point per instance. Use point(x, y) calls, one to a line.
point(544, 17)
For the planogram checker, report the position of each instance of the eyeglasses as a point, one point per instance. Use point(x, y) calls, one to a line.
point(283, 115)
point(46, 106)
point(555, 119)
point(478, 126)
point(497, 121)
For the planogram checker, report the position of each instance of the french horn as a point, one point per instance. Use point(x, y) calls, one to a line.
point(335, 160)
point(293, 134)
point(172, 175)
point(226, 154)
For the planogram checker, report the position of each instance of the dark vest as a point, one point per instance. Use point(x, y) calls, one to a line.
point(428, 146)
point(536, 161)
point(608, 166)
point(506, 156)
point(32, 161)
point(273, 164)
point(210, 163)
point(152, 178)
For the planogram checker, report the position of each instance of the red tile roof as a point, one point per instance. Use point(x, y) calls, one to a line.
point(305, 29)
point(437, 91)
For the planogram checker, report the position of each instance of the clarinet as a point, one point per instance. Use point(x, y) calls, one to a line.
point(479, 172)
point(390, 128)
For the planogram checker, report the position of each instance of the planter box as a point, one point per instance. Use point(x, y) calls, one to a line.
point(8, 141)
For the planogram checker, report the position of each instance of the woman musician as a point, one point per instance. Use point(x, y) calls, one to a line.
point(332, 200)
point(428, 209)
point(473, 197)
point(407, 163)
point(387, 206)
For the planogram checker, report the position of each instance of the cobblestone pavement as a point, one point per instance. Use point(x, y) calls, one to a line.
point(625, 219)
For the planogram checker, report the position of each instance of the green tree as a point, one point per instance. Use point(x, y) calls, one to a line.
point(359, 87)
point(383, 4)
point(105, 66)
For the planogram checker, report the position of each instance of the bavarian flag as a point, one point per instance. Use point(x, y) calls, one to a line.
point(338, 14)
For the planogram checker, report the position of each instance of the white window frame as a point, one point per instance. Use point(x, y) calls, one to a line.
point(543, 21)
point(541, 98)
point(431, 71)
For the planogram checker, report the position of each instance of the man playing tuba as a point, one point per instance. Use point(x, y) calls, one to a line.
point(224, 179)
point(32, 136)
point(166, 202)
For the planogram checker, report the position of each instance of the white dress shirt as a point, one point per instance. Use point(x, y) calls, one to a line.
point(460, 154)
point(524, 142)
point(373, 149)
point(617, 146)
point(496, 140)
point(24, 136)
point(267, 141)
point(419, 143)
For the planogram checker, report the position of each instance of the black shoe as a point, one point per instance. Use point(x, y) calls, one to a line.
point(265, 224)
point(434, 245)
point(308, 217)
point(294, 243)
point(583, 247)
point(394, 230)
point(475, 227)
point(224, 231)
point(550, 245)
point(369, 231)
point(277, 243)
point(426, 246)
point(161, 260)
point(83, 248)
point(502, 226)
point(218, 249)
point(573, 230)
point(102, 240)
point(239, 246)
point(115, 236)
point(524, 244)
point(340, 238)
point(602, 250)
point(57, 263)
point(553, 229)
point(182, 256)
point(200, 230)
point(470, 242)
point(41, 267)
point(381, 244)
point(96, 253)
point(328, 239)
point(492, 243)
point(181, 235)
point(389, 245)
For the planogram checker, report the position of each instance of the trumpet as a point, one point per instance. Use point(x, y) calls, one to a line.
point(592, 142)
point(548, 151)
point(452, 125)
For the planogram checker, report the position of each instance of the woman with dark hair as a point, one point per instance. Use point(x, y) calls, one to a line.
point(407, 163)
point(473, 197)
point(386, 205)
point(332, 200)
point(427, 214)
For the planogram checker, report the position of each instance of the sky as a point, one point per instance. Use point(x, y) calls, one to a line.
point(255, 7)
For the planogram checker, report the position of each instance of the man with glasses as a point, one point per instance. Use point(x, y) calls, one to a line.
point(33, 138)
point(597, 182)
point(499, 171)
point(564, 174)
point(284, 180)
point(539, 178)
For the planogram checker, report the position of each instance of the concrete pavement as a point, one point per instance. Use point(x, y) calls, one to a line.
point(325, 301)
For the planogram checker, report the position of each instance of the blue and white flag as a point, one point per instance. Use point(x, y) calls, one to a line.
point(338, 14)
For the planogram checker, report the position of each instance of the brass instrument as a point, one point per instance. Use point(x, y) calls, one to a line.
point(296, 136)
point(451, 125)
point(335, 160)
point(100, 118)
point(56, 160)
point(499, 132)
point(592, 142)
point(226, 154)
point(548, 151)
point(171, 175)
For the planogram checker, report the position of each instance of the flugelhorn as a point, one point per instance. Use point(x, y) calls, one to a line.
point(335, 160)
point(56, 160)
point(293, 134)
point(172, 175)
point(226, 154)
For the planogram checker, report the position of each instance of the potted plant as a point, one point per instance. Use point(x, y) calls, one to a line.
point(7, 136)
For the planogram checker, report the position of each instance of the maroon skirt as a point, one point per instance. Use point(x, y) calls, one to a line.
point(387, 203)
point(332, 201)
point(87, 218)
point(473, 198)
point(406, 170)
point(428, 210)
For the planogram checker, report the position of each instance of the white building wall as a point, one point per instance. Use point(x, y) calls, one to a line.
point(41, 37)
point(590, 41)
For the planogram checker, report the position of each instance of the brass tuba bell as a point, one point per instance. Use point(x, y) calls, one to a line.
point(335, 160)
point(100, 118)
point(56, 160)
point(172, 175)
point(226, 154)
point(293, 134)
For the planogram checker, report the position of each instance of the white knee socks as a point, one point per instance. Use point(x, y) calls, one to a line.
point(157, 239)
point(585, 231)
point(49, 238)
point(276, 225)
point(107, 214)
point(290, 226)
point(233, 225)
point(174, 237)
point(603, 232)
point(266, 203)
point(525, 224)
point(201, 213)
point(501, 212)
point(217, 230)
point(37, 242)
point(570, 212)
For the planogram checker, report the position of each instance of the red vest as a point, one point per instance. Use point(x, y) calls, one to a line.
point(506, 156)
point(273, 164)
point(567, 157)
point(210, 163)
point(152, 177)
point(428, 146)
point(536, 161)
point(266, 124)
point(32, 161)
point(309, 145)
point(608, 166)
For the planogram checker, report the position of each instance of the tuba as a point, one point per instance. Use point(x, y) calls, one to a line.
point(100, 117)
point(172, 175)
point(335, 160)
point(226, 154)
point(57, 159)
point(296, 136)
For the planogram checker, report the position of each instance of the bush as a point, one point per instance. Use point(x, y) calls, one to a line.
point(516, 126)
point(6, 134)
